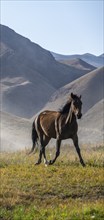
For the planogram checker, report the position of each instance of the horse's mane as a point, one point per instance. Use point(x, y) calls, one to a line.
point(65, 108)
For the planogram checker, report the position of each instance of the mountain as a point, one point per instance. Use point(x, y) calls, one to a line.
point(102, 55)
point(90, 86)
point(79, 64)
point(91, 128)
point(15, 132)
point(96, 61)
point(94, 118)
point(29, 74)
point(23, 97)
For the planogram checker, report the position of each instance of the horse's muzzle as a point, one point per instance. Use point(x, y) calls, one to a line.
point(79, 116)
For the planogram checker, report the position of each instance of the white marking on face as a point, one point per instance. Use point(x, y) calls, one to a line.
point(76, 112)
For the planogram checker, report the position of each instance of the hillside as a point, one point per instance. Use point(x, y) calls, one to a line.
point(23, 97)
point(15, 132)
point(89, 86)
point(96, 61)
point(92, 125)
point(94, 118)
point(29, 74)
point(79, 64)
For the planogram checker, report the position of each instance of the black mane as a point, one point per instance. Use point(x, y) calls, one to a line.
point(65, 108)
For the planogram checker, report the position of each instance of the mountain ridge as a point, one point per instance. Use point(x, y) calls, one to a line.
point(94, 60)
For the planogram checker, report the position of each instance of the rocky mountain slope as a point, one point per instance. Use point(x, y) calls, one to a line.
point(29, 74)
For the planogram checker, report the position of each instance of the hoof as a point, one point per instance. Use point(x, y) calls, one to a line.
point(50, 162)
point(37, 163)
point(83, 164)
point(46, 162)
point(46, 165)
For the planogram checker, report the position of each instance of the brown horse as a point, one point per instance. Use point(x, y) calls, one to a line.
point(60, 125)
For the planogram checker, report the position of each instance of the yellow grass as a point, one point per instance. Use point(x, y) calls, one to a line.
point(62, 191)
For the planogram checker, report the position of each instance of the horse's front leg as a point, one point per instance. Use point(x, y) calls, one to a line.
point(58, 144)
point(75, 141)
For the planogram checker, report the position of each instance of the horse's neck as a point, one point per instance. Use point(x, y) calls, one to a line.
point(69, 115)
point(66, 108)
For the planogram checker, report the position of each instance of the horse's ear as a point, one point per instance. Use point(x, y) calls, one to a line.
point(80, 96)
point(72, 95)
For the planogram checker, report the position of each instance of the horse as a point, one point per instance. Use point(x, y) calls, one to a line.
point(59, 125)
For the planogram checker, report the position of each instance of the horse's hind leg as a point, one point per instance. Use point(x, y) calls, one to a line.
point(58, 144)
point(41, 150)
point(75, 141)
point(40, 156)
point(43, 143)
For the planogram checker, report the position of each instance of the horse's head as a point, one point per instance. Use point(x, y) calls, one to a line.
point(76, 105)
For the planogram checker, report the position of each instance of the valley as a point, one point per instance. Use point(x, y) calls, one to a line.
point(34, 79)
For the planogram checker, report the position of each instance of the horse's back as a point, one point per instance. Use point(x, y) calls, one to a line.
point(49, 115)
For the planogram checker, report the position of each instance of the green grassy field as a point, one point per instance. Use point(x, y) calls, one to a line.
point(63, 191)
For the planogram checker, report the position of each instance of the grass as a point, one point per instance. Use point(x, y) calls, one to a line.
point(63, 191)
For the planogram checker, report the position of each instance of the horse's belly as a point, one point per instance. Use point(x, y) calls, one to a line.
point(50, 131)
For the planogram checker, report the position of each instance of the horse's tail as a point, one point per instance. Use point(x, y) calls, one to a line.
point(34, 137)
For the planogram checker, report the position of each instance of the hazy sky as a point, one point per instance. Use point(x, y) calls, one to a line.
point(66, 27)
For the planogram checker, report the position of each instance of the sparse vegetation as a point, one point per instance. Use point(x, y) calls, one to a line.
point(63, 191)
